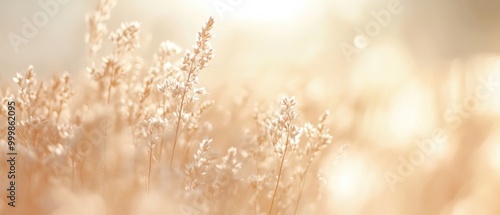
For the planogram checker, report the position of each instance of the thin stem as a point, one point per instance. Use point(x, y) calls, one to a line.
point(73, 175)
point(163, 114)
point(186, 154)
point(150, 162)
point(179, 117)
point(279, 174)
point(177, 131)
point(80, 170)
point(107, 111)
point(258, 196)
point(105, 143)
point(302, 182)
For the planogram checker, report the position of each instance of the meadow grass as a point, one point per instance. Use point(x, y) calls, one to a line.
point(135, 129)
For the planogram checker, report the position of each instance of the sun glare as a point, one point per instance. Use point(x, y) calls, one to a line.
point(410, 112)
point(346, 181)
point(349, 10)
point(274, 10)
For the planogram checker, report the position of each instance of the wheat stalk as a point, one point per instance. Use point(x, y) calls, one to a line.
point(319, 138)
point(192, 64)
point(284, 135)
point(120, 123)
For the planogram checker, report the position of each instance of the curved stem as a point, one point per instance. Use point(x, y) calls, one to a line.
point(179, 118)
point(150, 162)
point(107, 125)
point(163, 115)
point(279, 175)
point(302, 182)
point(177, 131)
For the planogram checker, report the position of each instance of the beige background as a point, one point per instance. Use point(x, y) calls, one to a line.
point(429, 33)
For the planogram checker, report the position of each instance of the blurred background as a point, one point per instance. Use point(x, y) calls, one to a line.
point(391, 72)
point(298, 33)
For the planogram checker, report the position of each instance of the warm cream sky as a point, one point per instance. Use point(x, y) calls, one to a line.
point(390, 71)
point(429, 33)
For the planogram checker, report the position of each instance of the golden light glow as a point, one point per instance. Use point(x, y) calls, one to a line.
point(411, 112)
point(492, 150)
point(349, 10)
point(274, 10)
point(347, 180)
point(381, 67)
point(185, 114)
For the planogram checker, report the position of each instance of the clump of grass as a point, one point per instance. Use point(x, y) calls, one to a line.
point(97, 29)
point(131, 111)
point(179, 88)
point(284, 136)
point(318, 138)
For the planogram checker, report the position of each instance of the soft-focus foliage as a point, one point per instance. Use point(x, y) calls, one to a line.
point(148, 127)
